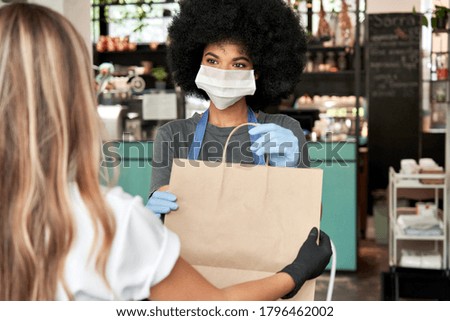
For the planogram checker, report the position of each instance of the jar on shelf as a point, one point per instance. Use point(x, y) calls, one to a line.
point(440, 94)
point(318, 62)
point(330, 62)
point(309, 63)
point(438, 115)
point(442, 66)
point(342, 61)
point(101, 45)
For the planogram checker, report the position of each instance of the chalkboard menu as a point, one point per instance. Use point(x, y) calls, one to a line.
point(394, 55)
point(393, 91)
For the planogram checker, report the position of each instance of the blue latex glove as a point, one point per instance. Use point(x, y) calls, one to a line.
point(279, 142)
point(162, 203)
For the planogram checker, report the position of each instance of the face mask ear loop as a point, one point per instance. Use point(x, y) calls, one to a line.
point(224, 154)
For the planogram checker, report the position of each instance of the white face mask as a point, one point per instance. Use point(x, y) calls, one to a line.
point(225, 87)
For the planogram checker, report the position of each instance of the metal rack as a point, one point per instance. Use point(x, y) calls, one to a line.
point(435, 243)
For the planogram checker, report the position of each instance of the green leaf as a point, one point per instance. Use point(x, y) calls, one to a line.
point(440, 14)
point(424, 21)
point(433, 22)
point(159, 73)
point(414, 9)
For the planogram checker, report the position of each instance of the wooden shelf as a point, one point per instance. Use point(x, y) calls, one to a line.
point(315, 47)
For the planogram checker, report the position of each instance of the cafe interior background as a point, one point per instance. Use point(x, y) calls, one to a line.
point(373, 102)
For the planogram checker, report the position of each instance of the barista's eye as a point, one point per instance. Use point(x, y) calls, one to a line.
point(212, 61)
point(239, 65)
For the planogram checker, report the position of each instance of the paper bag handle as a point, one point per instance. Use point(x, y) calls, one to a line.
point(224, 154)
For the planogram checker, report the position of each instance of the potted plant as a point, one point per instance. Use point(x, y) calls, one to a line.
point(160, 74)
point(439, 18)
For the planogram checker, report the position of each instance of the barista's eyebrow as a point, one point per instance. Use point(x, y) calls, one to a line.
point(241, 58)
point(211, 54)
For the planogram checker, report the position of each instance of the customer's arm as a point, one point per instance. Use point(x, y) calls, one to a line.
point(185, 283)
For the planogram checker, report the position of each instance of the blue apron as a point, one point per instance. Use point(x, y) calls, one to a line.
point(200, 129)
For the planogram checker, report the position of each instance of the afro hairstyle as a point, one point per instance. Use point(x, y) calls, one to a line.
point(269, 31)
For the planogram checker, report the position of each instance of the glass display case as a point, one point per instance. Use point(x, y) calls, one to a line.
point(333, 118)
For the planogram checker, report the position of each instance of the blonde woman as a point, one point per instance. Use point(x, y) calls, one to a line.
point(63, 236)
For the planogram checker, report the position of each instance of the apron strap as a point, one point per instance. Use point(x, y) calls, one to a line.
point(200, 129)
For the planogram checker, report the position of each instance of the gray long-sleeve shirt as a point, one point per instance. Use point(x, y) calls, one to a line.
point(174, 139)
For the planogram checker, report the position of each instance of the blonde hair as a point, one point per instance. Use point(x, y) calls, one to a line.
point(49, 137)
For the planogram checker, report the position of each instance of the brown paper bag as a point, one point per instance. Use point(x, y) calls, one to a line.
point(243, 222)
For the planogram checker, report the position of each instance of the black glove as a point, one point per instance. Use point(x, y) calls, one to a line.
point(311, 260)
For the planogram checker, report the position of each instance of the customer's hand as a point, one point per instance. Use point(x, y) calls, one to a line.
point(162, 203)
point(311, 260)
point(279, 142)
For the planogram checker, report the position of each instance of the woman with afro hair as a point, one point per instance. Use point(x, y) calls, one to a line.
point(243, 56)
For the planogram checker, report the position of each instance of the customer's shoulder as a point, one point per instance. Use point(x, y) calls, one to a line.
point(127, 208)
point(119, 200)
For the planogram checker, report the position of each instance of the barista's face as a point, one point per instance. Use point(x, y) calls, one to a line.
point(227, 56)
